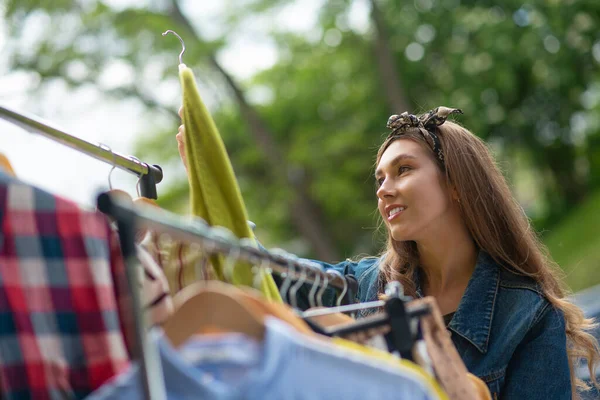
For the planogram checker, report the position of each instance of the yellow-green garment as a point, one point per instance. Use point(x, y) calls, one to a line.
point(214, 192)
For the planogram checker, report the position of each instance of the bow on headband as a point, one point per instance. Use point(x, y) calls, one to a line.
point(426, 123)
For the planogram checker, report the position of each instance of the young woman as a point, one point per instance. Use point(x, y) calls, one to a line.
point(456, 233)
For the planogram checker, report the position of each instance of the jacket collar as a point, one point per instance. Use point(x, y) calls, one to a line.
point(473, 318)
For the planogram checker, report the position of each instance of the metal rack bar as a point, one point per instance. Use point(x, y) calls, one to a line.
point(150, 174)
point(199, 232)
point(145, 351)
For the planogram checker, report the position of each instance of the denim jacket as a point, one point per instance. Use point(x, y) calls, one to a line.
point(505, 330)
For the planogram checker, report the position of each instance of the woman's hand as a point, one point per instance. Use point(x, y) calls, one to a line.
point(181, 139)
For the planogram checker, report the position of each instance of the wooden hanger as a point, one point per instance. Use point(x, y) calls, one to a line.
point(330, 320)
point(141, 199)
point(6, 166)
point(120, 194)
point(145, 202)
point(212, 307)
point(280, 311)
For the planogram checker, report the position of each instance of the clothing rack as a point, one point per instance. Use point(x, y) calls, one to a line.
point(149, 175)
point(216, 240)
point(219, 240)
point(144, 351)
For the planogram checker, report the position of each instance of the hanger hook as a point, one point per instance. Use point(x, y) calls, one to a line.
point(263, 267)
point(285, 286)
point(312, 295)
point(223, 236)
point(323, 288)
point(338, 302)
point(182, 44)
point(137, 185)
point(232, 258)
point(297, 285)
point(259, 264)
point(114, 164)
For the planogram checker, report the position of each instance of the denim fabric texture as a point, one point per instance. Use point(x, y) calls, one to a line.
point(506, 331)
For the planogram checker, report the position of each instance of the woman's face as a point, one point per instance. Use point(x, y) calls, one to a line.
point(413, 197)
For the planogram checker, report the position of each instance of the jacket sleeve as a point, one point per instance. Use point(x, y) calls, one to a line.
point(348, 267)
point(539, 368)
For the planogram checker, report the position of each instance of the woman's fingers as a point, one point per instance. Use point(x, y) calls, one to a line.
point(181, 143)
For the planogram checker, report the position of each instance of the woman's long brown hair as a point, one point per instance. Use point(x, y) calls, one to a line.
point(499, 226)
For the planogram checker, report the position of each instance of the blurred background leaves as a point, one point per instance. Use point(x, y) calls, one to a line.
point(302, 132)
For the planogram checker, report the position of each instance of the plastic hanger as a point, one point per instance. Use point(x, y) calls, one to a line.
point(140, 199)
point(396, 316)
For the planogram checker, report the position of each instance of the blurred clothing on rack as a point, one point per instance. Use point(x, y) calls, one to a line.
point(156, 298)
point(286, 364)
point(60, 331)
point(6, 166)
point(181, 263)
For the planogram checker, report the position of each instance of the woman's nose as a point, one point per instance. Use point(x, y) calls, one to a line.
point(386, 190)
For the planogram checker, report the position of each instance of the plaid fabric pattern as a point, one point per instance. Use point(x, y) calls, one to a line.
point(60, 332)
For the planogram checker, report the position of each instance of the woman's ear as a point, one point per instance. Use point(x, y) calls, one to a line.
point(454, 194)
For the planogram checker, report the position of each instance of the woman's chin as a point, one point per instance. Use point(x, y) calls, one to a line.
point(400, 235)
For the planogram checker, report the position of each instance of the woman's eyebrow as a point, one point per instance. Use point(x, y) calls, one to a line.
point(396, 161)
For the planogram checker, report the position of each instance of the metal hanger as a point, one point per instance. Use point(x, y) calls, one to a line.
point(114, 163)
point(322, 290)
point(225, 235)
point(118, 192)
point(182, 43)
point(345, 309)
point(338, 301)
point(264, 269)
point(260, 265)
point(312, 294)
point(287, 282)
point(294, 289)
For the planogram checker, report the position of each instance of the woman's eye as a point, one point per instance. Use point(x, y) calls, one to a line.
point(379, 182)
point(403, 169)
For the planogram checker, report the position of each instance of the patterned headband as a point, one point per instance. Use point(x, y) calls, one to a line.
point(426, 123)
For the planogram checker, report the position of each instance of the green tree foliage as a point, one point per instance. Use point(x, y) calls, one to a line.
point(526, 74)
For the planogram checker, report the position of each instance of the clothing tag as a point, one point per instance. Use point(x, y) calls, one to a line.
point(235, 350)
point(199, 356)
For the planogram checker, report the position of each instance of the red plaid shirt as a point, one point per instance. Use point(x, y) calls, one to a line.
point(60, 328)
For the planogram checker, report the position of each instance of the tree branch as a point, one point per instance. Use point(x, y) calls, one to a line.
point(388, 70)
